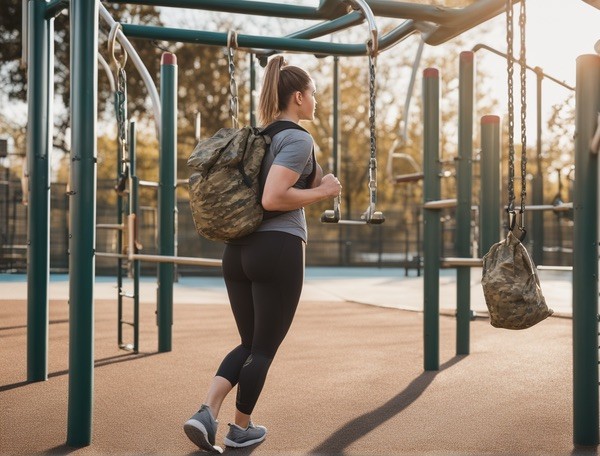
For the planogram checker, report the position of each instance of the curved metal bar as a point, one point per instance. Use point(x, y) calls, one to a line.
point(137, 61)
point(55, 7)
point(106, 67)
point(370, 17)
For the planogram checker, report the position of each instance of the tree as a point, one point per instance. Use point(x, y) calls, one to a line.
point(13, 76)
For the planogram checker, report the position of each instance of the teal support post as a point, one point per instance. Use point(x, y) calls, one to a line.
point(490, 206)
point(464, 177)
point(39, 133)
point(134, 208)
point(585, 255)
point(82, 218)
point(336, 167)
point(335, 151)
point(166, 197)
point(537, 187)
point(431, 219)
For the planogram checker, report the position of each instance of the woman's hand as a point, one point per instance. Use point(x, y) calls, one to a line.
point(330, 185)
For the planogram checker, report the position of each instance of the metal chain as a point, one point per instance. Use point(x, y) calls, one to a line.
point(122, 112)
point(523, 62)
point(121, 91)
point(372, 130)
point(233, 91)
point(511, 115)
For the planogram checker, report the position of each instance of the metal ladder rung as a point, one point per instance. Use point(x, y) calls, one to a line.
point(127, 294)
point(127, 323)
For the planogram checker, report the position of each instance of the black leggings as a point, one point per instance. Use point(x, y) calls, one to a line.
point(264, 273)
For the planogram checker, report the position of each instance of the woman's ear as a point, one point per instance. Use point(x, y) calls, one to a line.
point(298, 97)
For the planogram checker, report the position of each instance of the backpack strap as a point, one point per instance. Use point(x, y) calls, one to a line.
point(270, 131)
point(281, 125)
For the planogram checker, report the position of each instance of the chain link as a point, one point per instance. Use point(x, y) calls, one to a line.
point(122, 113)
point(523, 62)
point(233, 91)
point(511, 108)
point(372, 129)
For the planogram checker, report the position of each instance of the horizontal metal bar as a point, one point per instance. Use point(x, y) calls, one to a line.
point(244, 41)
point(413, 177)
point(351, 222)
point(536, 70)
point(238, 6)
point(110, 226)
point(451, 262)
point(440, 204)
point(110, 255)
point(143, 183)
point(14, 246)
point(554, 268)
point(564, 207)
point(176, 260)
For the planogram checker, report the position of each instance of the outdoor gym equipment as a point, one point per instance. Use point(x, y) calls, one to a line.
point(436, 24)
point(371, 216)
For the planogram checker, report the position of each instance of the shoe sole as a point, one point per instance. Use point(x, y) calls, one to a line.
point(198, 434)
point(231, 443)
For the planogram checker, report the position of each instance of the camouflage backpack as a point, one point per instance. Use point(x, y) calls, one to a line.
point(225, 190)
point(511, 286)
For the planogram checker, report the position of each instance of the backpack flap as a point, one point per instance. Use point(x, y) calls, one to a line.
point(207, 152)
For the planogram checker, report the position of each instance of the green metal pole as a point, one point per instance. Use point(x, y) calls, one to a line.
point(82, 218)
point(431, 219)
point(134, 208)
point(120, 235)
point(166, 197)
point(537, 196)
point(464, 177)
point(336, 118)
point(489, 210)
point(39, 95)
point(335, 150)
point(585, 255)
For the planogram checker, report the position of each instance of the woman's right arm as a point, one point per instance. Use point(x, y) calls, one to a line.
point(279, 193)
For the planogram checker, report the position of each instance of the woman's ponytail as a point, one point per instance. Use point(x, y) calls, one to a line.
point(280, 82)
point(268, 103)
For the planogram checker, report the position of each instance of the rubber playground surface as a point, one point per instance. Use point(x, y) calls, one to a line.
point(348, 379)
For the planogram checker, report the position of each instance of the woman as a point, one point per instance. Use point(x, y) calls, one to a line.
point(264, 271)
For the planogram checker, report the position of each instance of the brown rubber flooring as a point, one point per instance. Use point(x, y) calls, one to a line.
point(348, 379)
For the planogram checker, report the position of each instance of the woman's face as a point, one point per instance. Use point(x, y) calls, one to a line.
point(309, 103)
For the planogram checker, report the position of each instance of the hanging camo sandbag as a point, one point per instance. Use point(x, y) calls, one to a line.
point(511, 286)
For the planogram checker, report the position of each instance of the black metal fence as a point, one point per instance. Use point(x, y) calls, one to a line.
point(396, 243)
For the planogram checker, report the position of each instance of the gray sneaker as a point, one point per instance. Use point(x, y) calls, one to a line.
point(202, 429)
point(238, 437)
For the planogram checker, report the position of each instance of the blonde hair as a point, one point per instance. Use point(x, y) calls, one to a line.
point(280, 82)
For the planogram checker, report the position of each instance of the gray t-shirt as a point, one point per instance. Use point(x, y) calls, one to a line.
point(292, 149)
